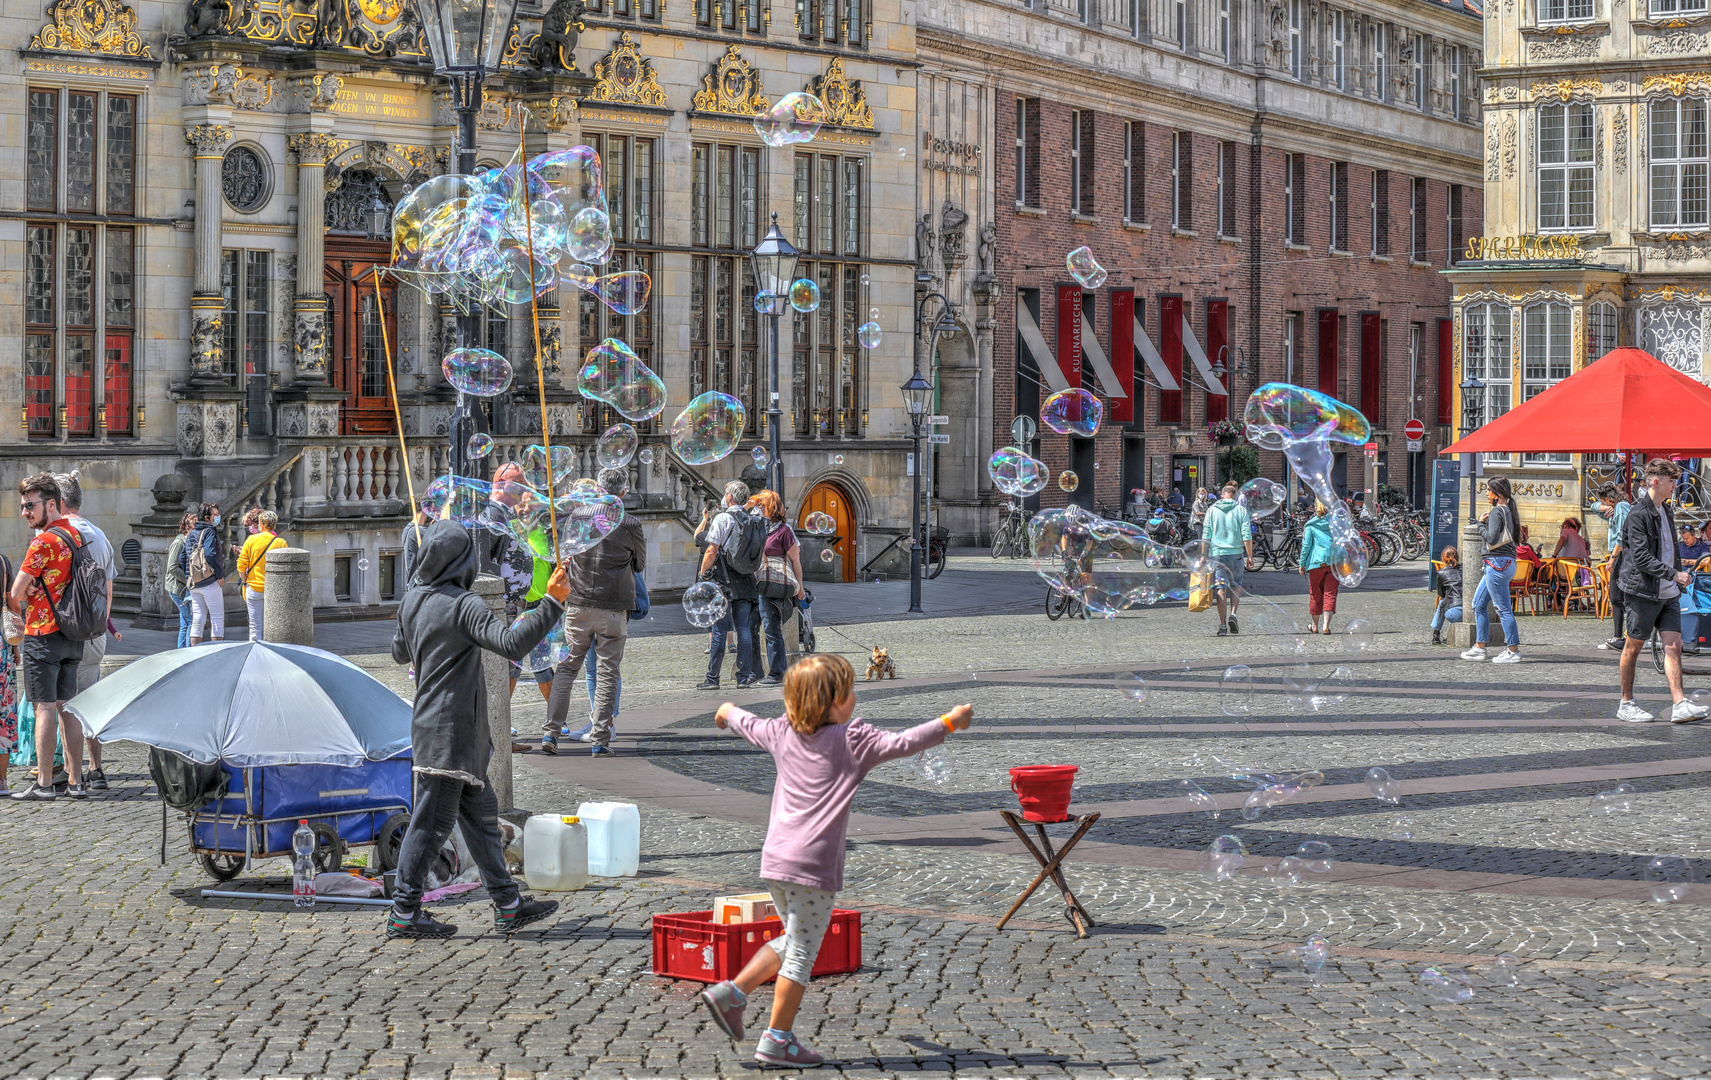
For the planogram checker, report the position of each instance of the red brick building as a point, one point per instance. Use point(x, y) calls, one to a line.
point(1279, 218)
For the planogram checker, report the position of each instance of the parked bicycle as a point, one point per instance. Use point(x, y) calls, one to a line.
point(1012, 536)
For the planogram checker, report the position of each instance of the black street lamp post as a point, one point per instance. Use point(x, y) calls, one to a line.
point(466, 39)
point(918, 394)
point(1471, 408)
point(774, 263)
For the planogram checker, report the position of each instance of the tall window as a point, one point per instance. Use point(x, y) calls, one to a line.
point(1455, 81)
point(1297, 42)
point(1339, 51)
point(1381, 61)
point(632, 194)
point(1027, 151)
point(79, 277)
point(1678, 155)
point(646, 9)
point(826, 372)
point(1486, 357)
point(1568, 11)
point(1224, 29)
point(244, 327)
point(1600, 330)
point(1291, 344)
point(1565, 167)
point(1547, 354)
point(1417, 250)
point(1676, 7)
point(1380, 212)
point(1339, 176)
point(816, 20)
point(1081, 161)
point(1134, 171)
point(1420, 72)
point(1457, 240)
point(1182, 180)
point(1226, 189)
point(1179, 22)
point(1295, 199)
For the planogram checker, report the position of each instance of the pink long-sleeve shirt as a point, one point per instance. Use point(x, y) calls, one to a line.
point(817, 779)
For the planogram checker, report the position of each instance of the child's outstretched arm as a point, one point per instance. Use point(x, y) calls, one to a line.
point(872, 746)
point(755, 729)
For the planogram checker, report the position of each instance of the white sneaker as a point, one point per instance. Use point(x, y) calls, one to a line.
point(1475, 653)
point(1686, 712)
point(1507, 656)
point(1633, 714)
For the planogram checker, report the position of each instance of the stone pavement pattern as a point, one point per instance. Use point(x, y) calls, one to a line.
point(116, 967)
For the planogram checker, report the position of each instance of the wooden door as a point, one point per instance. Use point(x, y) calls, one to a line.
point(357, 349)
point(829, 498)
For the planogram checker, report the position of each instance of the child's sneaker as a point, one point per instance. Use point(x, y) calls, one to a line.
point(785, 1051)
point(721, 1001)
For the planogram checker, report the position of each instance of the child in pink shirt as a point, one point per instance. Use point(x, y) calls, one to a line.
point(822, 756)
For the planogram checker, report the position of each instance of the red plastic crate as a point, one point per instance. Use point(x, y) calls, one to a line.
point(690, 945)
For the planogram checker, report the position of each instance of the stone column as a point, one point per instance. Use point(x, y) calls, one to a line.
point(1472, 566)
point(309, 335)
point(206, 303)
point(497, 671)
point(289, 614)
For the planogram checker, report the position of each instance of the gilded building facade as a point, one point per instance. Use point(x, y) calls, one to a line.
point(1597, 228)
point(201, 197)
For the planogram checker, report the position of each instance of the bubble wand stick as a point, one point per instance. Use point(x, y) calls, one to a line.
point(392, 389)
point(535, 321)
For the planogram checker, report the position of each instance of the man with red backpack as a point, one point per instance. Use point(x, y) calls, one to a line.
point(43, 589)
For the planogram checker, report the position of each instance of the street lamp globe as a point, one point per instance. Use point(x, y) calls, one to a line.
point(1470, 406)
point(917, 392)
point(466, 38)
point(774, 262)
point(946, 327)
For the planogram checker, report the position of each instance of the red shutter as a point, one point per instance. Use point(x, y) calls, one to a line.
point(1170, 350)
point(1123, 354)
point(1328, 351)
point(1371, 369)
point(1217, 349)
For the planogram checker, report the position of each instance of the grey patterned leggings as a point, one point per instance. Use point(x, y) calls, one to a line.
point(806, 913)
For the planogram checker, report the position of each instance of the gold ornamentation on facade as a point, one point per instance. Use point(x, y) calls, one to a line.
point(513, 46)
point(1563, 89)
point(554, 113)
point(1524, 247)
point(1679, 83)
point(315, 148)
point(1671, 293)
point(227, 83)
point(625, 77)
point(209, 140)
point(732, 89)
point(102, 27)
point(318, 93)
point(844, 99)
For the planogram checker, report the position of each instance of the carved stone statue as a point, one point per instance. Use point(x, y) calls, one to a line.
point(1279, 27)
point(212, 18)
point(953, 222)
point(924, 241)
point(555, 46)
point(988, 245)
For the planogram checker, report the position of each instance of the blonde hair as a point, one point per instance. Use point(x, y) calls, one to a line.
point(812, 686)
point(268, 520)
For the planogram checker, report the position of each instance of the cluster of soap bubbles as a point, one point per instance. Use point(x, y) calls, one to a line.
point(819, 523)
point(1302, 424)
point(506, 235)
point(583, 515)
point(868, 333)
point(933, 765)
point(704, 603)
point(1454, 986)
point(1310, 687)
point(1384, 787)
point(1015, 473)
point(1270, 788)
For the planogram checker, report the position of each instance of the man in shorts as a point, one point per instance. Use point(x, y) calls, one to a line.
point(1652, 580)
point(95, 650)
point(50, 658)
point(1229, 534)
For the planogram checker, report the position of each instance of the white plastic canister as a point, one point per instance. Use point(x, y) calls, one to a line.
point(614, 838)
point(555, 853)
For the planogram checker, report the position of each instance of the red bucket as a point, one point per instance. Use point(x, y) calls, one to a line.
point(1043, 790)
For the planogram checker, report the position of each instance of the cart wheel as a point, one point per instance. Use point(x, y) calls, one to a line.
point(390, 840)
point(221, 866)
point(329, 848)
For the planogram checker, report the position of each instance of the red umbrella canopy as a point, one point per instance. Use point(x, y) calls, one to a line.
point(1627, 401)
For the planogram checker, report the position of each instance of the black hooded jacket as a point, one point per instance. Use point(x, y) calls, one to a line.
point(442, 628)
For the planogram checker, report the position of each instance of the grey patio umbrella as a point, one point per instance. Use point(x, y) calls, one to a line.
point(249, 704)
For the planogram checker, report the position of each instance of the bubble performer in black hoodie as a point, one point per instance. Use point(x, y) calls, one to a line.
point(442, 629)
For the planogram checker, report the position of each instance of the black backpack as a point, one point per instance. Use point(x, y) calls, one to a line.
point(81, 610)
point(746, 550)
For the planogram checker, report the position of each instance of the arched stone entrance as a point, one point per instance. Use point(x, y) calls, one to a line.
point(829, 497)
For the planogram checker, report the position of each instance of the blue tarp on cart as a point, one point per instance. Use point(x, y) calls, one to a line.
point(280, 795)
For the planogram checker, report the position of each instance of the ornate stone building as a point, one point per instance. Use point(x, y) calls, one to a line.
point(1598, 233)
point(1273, 185)
point(205, 188)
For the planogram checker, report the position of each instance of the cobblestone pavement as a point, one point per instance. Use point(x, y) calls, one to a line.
point(117, 967)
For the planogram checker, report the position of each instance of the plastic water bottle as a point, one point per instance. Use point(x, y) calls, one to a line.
point(303, 870)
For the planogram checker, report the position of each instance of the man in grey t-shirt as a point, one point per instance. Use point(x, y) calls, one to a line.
point(94, 650)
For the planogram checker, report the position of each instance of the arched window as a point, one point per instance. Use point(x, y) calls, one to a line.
point(1565, 167)
point(360, 206)
point(1547, 358)
point(1601, 335)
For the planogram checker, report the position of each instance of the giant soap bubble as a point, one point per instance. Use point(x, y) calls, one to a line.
point(612, 373)
point(708, 428)
point(1015, 473)
point(535, 467)
point(704, 604)
point(795, 119)
point(616, 446)
point(1303, 423)
point(1085, 268)
point(477, 372)
point(1262, 497)
point(1072, 412)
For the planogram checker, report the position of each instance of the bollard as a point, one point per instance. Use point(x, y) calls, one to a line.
point(1472, 552)
point(288, 617)
point(497, 671)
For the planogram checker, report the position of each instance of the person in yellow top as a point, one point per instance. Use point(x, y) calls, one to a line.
point(252, 567)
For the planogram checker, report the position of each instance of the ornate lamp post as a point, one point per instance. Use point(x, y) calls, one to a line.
point(916, 392)
point(1472, 406)
point(774, 263)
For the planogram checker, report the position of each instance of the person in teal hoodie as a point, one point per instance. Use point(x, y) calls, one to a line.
point(1229, 533)
point(1316, 556)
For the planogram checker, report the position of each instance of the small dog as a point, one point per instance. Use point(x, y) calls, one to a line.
point(880, 665)
point(511, 840)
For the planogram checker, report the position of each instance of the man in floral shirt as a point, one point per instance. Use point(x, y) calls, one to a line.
point(50, 658)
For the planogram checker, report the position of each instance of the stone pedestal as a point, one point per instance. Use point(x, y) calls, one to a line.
point(1472, 553)
point(497, 671)
point(288, 617)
